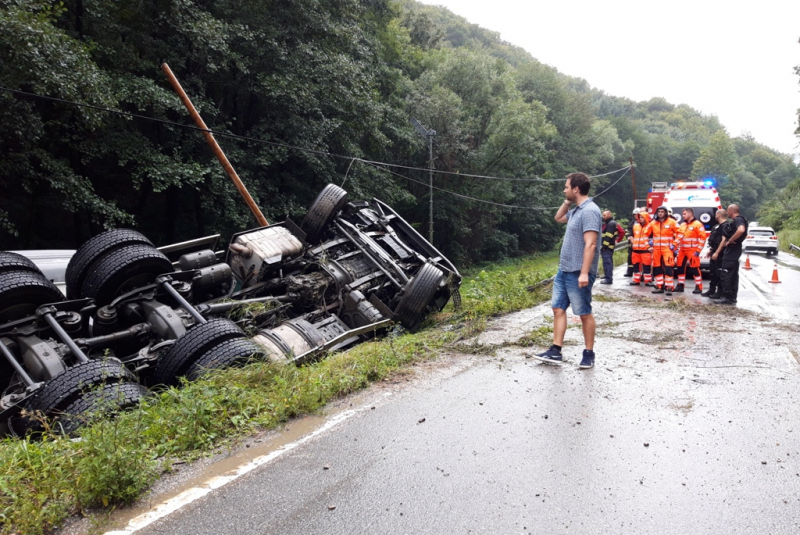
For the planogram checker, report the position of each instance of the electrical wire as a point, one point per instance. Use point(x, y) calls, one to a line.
point(466, 197)
point(285, 145)
point(615, 183)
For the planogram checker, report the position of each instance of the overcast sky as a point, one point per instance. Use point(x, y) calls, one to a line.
point(734, 59)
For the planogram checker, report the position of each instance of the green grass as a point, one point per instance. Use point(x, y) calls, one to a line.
point(44, 481)
point(787, 236)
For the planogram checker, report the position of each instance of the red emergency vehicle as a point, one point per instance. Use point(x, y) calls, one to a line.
point(702, 197)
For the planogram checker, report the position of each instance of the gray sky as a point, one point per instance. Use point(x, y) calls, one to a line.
point(733, 59)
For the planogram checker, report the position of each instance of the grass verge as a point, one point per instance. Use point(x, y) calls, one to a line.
point(44, 481)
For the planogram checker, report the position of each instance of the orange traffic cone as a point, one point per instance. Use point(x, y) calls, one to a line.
point(747, 263)
point(775, 274)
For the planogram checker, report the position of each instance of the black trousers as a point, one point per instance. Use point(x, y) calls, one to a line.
point(729, 271)
point(714, 266)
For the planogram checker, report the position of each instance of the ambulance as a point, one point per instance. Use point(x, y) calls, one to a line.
point(702, 197)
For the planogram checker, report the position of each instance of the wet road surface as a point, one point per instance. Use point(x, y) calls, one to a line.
point(688, 424)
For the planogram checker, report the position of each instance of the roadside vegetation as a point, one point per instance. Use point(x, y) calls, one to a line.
point(44, 480)
point(327, 77)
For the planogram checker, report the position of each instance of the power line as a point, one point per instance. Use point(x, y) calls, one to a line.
point(283, 145)
point(466, 197)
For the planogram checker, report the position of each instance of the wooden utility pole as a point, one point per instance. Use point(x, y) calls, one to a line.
point(215, 146)
point(633, 178)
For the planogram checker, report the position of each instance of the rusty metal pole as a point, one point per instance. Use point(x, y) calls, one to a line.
point(633, 177)
point(215, 146)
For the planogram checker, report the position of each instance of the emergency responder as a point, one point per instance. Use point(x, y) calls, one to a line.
point(735, 233)
point(609, 240)
point(662, 233)
point(629, 236)
point(639, 245)
point(714, 243)
point(691, 238)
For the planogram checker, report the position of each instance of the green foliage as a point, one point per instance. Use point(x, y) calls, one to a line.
point(332, 76)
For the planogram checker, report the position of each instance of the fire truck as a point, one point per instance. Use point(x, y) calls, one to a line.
point(701, 196)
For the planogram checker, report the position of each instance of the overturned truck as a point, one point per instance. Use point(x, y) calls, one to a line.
point(135, 316)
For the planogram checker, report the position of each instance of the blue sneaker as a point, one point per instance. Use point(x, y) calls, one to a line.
point(551, 356)
point(588, 359)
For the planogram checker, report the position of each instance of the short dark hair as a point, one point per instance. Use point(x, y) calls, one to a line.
point(690, 210)
point(580, 181)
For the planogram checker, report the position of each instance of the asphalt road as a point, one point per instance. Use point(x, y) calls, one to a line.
point(686, 425)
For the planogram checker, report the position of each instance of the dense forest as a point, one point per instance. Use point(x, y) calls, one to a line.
point(317, 91)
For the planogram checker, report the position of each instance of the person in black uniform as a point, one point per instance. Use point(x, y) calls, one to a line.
point(714, 241)
point(609, 241)
point(734, 234)
point(629, 236)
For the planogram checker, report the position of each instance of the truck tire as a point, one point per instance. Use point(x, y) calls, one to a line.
point(66, 388)
point(418, 296)
point(327, 204)
point(81, 263)
point(103, 401)
point(122, 270)
point(193, 345)
point(22, 292)
point(231, 353)
point(16, 262)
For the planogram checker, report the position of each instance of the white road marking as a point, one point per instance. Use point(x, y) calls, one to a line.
point(195, 493)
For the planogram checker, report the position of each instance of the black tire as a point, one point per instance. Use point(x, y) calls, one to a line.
point(419, 293)
point(230, 353)
point(81, 263)
point(16, 262)
point(22, 292)
point(103, 401)
point(123, 270)
point(67, 387)
point(327, 204)
point(192, 346)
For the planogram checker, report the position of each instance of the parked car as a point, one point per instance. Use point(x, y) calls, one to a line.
point(136, 316)
point(761, 239)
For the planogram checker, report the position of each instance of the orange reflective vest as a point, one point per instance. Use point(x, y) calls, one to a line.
point(691, 237)
point(640, 241)
point(664, 233)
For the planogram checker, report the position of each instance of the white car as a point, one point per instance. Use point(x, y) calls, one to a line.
point(760, 239)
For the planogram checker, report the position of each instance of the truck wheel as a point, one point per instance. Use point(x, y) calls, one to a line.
point(327, 204)
point(230, 353)
point(193, 345)
point(103, 401)
point(22, 292)
point(123, 270)
point(81, 263)
point(68, 387)
point(418, 296)
point(16, 262)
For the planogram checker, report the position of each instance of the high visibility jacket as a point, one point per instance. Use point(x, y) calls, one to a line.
point(663, 233)
point(640, 239)
point(691, 237)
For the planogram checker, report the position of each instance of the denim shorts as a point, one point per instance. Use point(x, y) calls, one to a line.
point(566, 292)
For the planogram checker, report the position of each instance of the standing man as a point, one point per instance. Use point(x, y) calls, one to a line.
point(629, 236)
point(663, 231)
point(714, 242)
point(577, 268)
point(609, 240)
point(732, 251)
point(641, 250)
point(691, 238)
